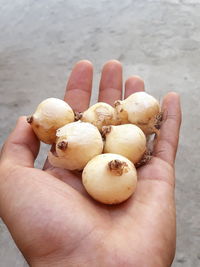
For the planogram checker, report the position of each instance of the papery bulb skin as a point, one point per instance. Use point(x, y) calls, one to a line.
point(140, 109)
point(100, 114)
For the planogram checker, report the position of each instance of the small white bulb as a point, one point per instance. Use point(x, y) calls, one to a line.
point(51, 114)
point(76, 144)
point(127, 140)
point(140, 109)
point(110, 178)
point(100, 114)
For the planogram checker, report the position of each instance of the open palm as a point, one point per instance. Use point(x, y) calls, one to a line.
point(53, 220)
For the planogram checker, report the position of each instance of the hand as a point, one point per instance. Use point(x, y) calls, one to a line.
point(52, 219)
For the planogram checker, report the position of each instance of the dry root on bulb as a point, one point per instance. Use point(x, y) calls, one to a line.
point(100, 114)
point(110, 178)
point(50, 115)
point(76, 144)
point(140, 109)
point(127, 140)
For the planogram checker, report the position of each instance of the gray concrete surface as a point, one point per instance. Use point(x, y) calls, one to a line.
point(156, 39)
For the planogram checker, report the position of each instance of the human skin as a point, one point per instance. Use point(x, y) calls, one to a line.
point(53, 220)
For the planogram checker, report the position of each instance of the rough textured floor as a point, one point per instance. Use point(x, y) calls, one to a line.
point(158, 40)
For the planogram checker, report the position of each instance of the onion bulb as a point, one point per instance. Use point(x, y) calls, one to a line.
point(110, 178)
point(100, 114)
point(76, 144)
point(127, 140)
point(50, 115)
point(140, 109)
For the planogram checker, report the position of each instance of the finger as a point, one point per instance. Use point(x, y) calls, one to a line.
point(110, 88)
point(133, 84)
point(22, 146)
point(167, 142)
point(79, 86)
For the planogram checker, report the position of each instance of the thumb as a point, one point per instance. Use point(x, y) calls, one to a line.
point(22, 146)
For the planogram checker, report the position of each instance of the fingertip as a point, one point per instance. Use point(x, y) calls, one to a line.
point(81, 76)
point(85, 62)
point(113, 63)
point(173, 93)
point(171, 99)
point(21, 119)
point(136, 77)
point(24, 133)
point(83, 65)
point(22, 123)
point(22, 145)
point(136, 81)
point(171, 96)
point(171, 104)
point(134, 84)
point(79, 85)
point(110, 88)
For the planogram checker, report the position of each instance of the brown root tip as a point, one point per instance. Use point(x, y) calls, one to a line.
point(77, 115)
point(118, 167)
point(158, 120)
point(62, 145)
point(117, 103)
point(146, 158)
point(106, 130)
point(29, 119)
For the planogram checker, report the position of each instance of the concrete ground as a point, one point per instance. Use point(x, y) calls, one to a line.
point(156, 39)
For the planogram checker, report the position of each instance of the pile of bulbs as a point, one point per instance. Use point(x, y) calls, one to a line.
point(105, 142)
